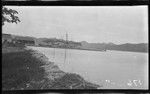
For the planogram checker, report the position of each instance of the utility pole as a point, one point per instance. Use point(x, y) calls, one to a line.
point(66, 39)
point(66, 46)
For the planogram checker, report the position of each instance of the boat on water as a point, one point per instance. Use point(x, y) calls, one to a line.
point(104, 50)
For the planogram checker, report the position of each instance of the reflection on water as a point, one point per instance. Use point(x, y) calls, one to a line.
point(65, 55)
point(111, 69)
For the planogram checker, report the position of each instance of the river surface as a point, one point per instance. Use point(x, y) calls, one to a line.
point(110, 69)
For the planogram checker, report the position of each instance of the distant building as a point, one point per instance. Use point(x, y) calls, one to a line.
point(6, 38)
point(24, 40)
point(59, 43)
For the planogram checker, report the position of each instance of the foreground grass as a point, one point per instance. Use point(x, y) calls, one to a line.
point(27, 69)
point(19, 69)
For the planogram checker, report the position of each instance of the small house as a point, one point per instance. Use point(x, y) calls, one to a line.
point(24, 40)
point(6, 38)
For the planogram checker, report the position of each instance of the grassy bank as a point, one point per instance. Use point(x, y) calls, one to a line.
point(27, 69)
point(20, 69)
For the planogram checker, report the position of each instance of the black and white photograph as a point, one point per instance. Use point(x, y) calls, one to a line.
point(75, 47)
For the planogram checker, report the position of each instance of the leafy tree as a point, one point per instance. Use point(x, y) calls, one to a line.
point(9, 15)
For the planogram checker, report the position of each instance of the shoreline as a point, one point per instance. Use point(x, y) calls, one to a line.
point(60, 79)
point(27, 69)
point(92, 49)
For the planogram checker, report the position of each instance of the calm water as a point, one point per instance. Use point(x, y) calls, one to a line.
point(111, 69)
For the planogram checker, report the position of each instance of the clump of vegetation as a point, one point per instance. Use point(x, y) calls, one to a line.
point(72, 81)
point(9, 15)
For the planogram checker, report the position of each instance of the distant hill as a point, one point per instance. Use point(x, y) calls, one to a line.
point(94, 46)
point(59, 43)
point(141, 47)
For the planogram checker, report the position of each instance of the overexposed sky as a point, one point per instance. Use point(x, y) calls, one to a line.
point(117, 24)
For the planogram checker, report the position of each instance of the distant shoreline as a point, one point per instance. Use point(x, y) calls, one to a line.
point(83, 45)
point(91, 49)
